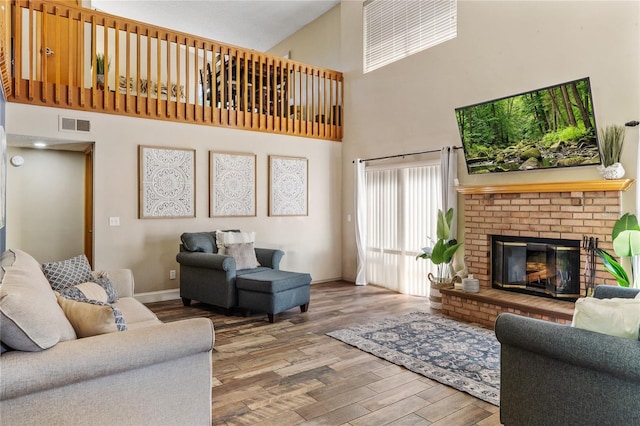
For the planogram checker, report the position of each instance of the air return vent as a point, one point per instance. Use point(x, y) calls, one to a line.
point(74, 125)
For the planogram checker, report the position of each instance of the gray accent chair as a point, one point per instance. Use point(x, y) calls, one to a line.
point(553, 374)
point(209, 277)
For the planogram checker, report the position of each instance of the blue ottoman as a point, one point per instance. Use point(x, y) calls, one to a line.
point(273, 291)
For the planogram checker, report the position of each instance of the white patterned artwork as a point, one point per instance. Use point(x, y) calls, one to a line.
point(288, 184)
point(232, 190)
point(167, 182)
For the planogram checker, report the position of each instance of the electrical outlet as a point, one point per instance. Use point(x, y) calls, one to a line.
point(172, 274)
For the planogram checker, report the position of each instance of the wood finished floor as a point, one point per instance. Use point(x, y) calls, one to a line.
point(291, 373)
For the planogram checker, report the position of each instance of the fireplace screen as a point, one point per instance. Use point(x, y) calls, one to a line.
point(539, 266)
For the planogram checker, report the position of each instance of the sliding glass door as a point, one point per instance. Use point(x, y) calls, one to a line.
point(402, 206)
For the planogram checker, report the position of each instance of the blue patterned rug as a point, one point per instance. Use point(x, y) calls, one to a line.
point(454, 353)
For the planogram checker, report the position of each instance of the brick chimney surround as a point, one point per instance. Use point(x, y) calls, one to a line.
point(566, 210)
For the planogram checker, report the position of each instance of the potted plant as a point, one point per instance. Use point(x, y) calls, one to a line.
point(626, 243)
point(441, 253)
point(100, 69)
point(611, 141)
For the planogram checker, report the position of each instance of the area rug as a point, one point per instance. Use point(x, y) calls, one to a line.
point(451, 352)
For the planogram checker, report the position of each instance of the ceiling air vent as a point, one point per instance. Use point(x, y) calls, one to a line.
point(74, 125)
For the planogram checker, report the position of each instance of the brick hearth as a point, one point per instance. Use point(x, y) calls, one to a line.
point(566, 210)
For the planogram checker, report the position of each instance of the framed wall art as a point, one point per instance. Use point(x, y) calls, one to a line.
point(288, 186)
point(232, 186)
point(166, 182)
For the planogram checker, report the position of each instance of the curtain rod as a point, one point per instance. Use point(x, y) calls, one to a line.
point(405, 155)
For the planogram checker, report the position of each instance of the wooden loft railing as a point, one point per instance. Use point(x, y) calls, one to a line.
point(153, 72)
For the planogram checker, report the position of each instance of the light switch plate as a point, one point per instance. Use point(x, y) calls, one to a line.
point(114, 221)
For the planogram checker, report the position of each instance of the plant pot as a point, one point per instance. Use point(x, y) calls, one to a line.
point(435, 297)
point(100, 81)
point(614, 171)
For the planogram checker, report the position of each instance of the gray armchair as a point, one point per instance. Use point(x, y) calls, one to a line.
point(210, 277)
point(553, 374)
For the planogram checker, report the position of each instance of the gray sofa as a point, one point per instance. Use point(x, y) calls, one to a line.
point(153, 373)
point(554, 374)
point(209, 277)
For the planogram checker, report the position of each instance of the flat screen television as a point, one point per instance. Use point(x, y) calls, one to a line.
point(544, 128)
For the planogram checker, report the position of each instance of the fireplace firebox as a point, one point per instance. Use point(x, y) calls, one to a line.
point(540, 266)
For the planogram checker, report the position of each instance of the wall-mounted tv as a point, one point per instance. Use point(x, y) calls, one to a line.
point(544, 128)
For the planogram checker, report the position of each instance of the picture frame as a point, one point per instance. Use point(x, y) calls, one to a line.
point(232, 184)
point(166, 182)
point(288, 186)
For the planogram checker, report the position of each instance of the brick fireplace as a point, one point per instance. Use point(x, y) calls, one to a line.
point(566, 210)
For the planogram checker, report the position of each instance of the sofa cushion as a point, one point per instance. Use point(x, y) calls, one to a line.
point(68, 273)
point(91, 317)
point(617, 317)
point(89, 290)
point(30, 317)
point(203, 242)
point(244, 254)
point(135, 312)
point(224, 238)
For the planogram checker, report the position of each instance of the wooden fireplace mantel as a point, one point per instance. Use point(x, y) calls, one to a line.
point(576, 186)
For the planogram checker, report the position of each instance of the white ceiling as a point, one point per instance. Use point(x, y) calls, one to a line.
point(253, 24)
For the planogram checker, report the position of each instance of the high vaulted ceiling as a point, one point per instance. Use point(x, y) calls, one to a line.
point(253, 24)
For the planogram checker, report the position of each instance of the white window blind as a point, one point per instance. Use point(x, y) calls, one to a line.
point(402, 207)
point(395, 29)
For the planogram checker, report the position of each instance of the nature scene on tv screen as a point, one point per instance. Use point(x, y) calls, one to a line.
point(551, 127)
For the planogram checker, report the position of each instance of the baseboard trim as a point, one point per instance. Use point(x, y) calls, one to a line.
point(163, 295)
point(158, 296)
point(325, 281)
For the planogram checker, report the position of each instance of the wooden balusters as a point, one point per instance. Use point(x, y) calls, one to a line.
point(162, 74)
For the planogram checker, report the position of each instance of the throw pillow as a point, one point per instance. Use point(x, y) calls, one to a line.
point(90, 291)
point(30, 318)
point(68, 273)
point(90, 317)
point(617, 317)
point(224, 238)
point(244, 254)
point(104, 281)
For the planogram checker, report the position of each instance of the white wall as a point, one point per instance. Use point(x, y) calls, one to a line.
point(149, 246)
point(318, 43)
point(502, 48)
point(49, 223)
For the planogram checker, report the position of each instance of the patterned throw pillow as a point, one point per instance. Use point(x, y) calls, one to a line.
point(68, 273)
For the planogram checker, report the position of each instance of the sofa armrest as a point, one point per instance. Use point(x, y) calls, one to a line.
point(611, 291)
point(207, 260)
point(596, 351)
point(122, 280)
point(86, 359)
point(269, 258)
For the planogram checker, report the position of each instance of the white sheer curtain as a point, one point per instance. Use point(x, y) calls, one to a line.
point(361, 221)
point(402, 205)
point(449, 166)
point(635, 260)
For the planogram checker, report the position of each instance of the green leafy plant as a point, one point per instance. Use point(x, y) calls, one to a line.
point(100, 69)
point(611, 140)
point(441, 252)
point(626, 243)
